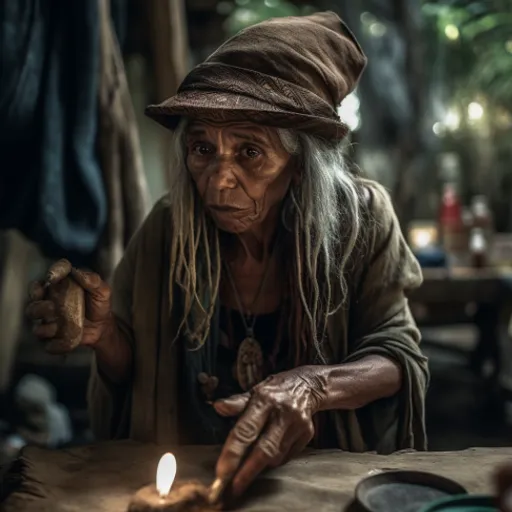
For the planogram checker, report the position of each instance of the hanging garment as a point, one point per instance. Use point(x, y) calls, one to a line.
point(51, 185)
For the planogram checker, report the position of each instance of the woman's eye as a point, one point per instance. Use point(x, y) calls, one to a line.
point(251, 152)
point(202, 149)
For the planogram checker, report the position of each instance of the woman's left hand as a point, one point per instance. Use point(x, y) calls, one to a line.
point(276, 425)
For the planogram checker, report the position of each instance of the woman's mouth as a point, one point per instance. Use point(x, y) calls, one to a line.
point(225, 208)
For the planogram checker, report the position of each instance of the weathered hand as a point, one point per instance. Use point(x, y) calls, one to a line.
point(45, 314)
point(503, 486)
point(276, 425)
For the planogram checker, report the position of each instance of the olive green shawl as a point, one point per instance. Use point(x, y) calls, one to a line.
point(375, 320)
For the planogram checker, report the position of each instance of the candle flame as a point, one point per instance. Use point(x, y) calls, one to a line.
point(165, 474)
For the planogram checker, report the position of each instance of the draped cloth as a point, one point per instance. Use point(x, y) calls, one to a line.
point(51, 185)
point(118, 150)
point(63, 98)
point(375, 320)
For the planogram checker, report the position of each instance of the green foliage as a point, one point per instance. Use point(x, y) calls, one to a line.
point(478, 45)
point(244, 13)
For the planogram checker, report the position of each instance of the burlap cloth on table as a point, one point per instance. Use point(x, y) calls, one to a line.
point(101, 478)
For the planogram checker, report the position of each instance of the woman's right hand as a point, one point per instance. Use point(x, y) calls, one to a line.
point(43, 312)
point(503, 487)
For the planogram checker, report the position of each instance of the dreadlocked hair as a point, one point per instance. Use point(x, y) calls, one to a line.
point(321, 216)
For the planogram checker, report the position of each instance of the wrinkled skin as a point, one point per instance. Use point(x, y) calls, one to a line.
point(97, 306)
point(503, 485)
point(100, 332)
point(276, 424)
point(241, 172)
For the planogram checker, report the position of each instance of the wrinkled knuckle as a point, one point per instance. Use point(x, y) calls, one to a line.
point(291, 410)
point(47, 307)
point(36, 290)
point(259, 402)
point(260, 394)
point(45, 330)
point(107, 292)
point(270, 447)
point(96, 279)
point(235, 448)
point(105, 296)
point(246, 431)
point(37, 310)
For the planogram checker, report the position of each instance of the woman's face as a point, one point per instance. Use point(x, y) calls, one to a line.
point(241, 171)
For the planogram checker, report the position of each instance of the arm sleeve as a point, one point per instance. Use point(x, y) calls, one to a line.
point(110, 405)
point(381, 323)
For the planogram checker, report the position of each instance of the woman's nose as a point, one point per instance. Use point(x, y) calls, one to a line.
point(223, 175)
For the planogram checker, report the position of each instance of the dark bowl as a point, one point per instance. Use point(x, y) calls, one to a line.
point(403, 491)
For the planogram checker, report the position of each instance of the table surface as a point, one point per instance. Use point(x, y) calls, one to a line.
point(102, 477)
point(463, 285)
point(463, 273)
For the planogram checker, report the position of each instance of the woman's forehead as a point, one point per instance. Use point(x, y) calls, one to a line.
point(242, 128)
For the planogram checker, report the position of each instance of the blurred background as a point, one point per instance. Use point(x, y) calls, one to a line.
point(80, 166)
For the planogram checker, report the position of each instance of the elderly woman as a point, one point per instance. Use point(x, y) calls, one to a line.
point(262, 303)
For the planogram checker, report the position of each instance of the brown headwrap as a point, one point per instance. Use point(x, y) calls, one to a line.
point(286, 72)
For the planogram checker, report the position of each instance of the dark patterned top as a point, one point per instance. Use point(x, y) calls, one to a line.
point(267, 331)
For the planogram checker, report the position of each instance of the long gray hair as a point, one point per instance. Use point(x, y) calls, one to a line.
point(322, 215)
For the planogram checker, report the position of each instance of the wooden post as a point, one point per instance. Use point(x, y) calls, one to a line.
point(170, 57)
point(15, 257)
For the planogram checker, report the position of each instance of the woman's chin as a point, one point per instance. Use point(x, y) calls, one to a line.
point(234, 227)
point(230, 224)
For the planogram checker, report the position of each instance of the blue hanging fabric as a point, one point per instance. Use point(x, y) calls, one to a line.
point(51, 186)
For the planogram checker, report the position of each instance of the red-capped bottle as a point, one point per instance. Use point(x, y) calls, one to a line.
point(452, 224)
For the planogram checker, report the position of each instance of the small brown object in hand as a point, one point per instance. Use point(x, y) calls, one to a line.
point(70, 308)
point(57, 272)
point(69, 300)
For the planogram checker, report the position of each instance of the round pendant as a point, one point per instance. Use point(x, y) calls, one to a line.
point(249, 364)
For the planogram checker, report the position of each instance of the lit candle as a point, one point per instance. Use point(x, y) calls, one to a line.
point(169, 495)
point(165, 474)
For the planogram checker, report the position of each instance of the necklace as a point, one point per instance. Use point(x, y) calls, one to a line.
point(249, 361)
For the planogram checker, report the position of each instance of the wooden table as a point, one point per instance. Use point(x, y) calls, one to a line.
point(101, 478)
point(464, 285)
point(481, 297)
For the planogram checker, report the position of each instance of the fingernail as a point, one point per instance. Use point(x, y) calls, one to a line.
point(216, 490)
point(221, 407)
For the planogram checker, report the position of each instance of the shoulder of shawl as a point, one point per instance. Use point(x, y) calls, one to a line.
point(160, 217)
point(377, 219)
point(379, 216)
point(154, 234)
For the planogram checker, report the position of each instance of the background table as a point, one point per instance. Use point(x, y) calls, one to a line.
point(102, 477)
point(482, 297)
